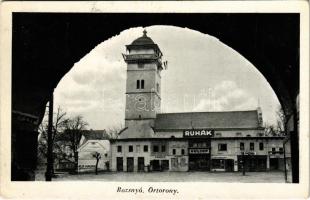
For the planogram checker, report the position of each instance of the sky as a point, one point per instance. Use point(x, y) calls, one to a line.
point(203, 74)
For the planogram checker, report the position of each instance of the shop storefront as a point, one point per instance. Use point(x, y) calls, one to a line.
point(199, 144)
point(222, 164)
point(199, 154)
point(252, 163)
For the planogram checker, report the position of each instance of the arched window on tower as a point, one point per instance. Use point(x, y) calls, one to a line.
point(142, 84)
point(138, 84)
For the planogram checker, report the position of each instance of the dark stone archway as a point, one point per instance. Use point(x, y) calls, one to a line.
point(46, 46)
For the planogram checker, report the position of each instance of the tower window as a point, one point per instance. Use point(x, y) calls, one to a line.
point(142, 84)
point(157, 87)
point(138, 84)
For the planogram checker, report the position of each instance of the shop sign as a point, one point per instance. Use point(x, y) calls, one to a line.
point(198, 133)
point(198, 151)
point(160, 155)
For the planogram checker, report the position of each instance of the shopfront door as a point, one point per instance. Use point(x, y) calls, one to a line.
point(119, 164)
point(140, 164)
point(130, 164)
point(199, 154)
point(229, 165)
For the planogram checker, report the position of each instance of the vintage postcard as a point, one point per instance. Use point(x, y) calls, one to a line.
point(154, 100)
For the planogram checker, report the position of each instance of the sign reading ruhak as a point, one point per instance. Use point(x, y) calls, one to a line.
point(198, 133)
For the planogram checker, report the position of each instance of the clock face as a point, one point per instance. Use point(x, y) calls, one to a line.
point(142, 102)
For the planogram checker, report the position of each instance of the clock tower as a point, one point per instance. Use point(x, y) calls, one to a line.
point(143, 84)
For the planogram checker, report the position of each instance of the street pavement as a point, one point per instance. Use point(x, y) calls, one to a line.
point(250, 177)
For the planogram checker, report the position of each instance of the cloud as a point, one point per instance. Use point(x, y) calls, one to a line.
point(225, 96)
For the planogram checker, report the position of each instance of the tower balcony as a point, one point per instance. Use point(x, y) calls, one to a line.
point(134, 57)
point(141, 57)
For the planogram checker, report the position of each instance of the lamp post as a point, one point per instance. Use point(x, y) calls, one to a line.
point(49, 168)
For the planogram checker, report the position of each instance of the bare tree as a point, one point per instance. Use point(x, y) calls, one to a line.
point(97, 155)
point(278, 129)
point(58, 126)
point(270, 130)
point(74, 128)
point(114, 131)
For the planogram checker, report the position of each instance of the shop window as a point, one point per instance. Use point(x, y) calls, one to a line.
point(241, 146)
point(140, 65)
point(130, 148)
point(261, 146)
point(281, 150)
point(173, 151)
point(119, 149)
point(163, 148)
point(142, 84)
point(145, 148)
point(222, 147)
point(183, 151)
point(218, 164)
point(155, 148)
point(138, 84)
point(251, 146)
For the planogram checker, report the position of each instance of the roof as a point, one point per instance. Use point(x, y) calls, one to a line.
point(143, 40)
point(101, 145)
point(143, 130)
point(214, 120)
point(95, 135)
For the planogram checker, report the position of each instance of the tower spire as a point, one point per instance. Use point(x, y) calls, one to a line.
point(144, 33)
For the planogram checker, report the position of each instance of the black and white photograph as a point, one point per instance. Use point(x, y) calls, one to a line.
point(126, 97)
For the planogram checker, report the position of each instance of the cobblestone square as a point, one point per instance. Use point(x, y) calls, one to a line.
point(250, 177)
